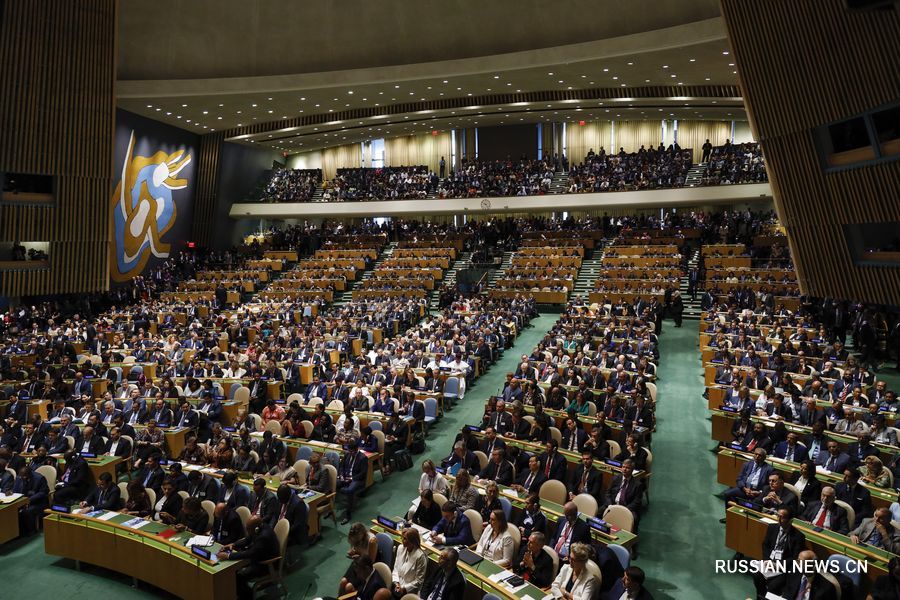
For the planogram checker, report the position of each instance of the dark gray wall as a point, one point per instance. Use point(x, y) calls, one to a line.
point(240, 167)
point(509, 141)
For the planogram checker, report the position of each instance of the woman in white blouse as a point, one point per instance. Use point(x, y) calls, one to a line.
point(409, 567)
point(496, 544)
point(432, 480)
point(574, 581)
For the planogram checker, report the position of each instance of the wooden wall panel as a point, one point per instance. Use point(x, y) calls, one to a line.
point(804, 64)
point(207, 187)
point(57, 113)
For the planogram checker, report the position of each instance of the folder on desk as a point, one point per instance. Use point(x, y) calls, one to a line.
point(469, 557)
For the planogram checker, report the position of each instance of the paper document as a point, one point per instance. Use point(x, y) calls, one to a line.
point(200, 540)
point(107, 516)
point(11, 498)
point(136, 523)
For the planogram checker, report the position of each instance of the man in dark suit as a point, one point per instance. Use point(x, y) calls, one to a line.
point(491, 441)
point(573, 438)
point(351, 476)
point(531, 479)
point(151, 474)
point(753, 476)
point(186, 417)
point(30, 440)
point(106, 496)
point(825, 513)
point(447, 581)
point(117, 445)
point(260, 545)
point(453, 529)
point(498, 469)
point(32, 485)
point(781, 542)
point(75, 481)
point(532, 519)
point(854, 494)
point(810, 413)
point(585, 478)
point(625, 490)
point(465, 458)
point(500, 420)
point(263, 502)
point(17, 411)
point(795, 585)
point(294, 509)
point(227, 527)
point(202, 486)
point(630, 585)
point(834, 460)
point(862, 448)
point(233, 493)
point(775, 496)
point(553, 464)
point(791, 449)
point(90, 443)
point(533, 563)
point(569, 530)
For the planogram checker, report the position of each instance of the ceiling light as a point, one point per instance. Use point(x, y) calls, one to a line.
point(350, 91)
point(615, 77)
point(159, 109)
point(396, 87)
point(221, 105)
point(269, 98)
point(219, 118)
point(168, 114)
point(550, 73)
point(302, 97)
point(631, 63)
point(496, 77)
point(149, 106)
point(725, 52)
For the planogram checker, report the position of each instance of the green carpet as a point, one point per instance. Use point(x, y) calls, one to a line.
point(680, 533)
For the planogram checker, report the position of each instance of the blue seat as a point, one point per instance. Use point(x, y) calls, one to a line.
point(506, 505)
point(333, 458)
point(451, 391)
point(491, 597)
point(118, 372)
point(137, 369)
point(234, 388)
point(430, 411)
point(370, 337)
point(848, 567)
point(621, 553)
point(307, 311)
point(386, 548)
point(375, 425)
point(303, 453)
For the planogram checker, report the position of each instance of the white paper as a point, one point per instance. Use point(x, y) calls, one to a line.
point(768, 521)
point(822, 470)
point(774, 596)
point(107, 516)
point(11, 498)
point(135, 523)
point(199, 540)
point(187, 467)
point(510, 492)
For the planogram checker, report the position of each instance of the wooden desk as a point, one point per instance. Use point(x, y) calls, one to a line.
point(745, 530)
point(9, 519)
point(141, 554)
point(293, 444)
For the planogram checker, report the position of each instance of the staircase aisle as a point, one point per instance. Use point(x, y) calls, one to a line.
point(342, 298)
point(694, 175)
point(463, 261)
point(691, 307)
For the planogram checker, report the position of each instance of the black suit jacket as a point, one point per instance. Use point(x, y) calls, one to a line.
point(296, 513)
point(839, 521)
point(455, 586)
point(95, 445)
point(536, 482)
point(501, 473)
point(79, 476)
point(789, 587)
point(267, 506)
point(580, 439)
point(542, 574)
point(793, 545)
point(228, 529)
point(580, 533)
point(111, 500)
point(633, 494)
point(558, 467)
point(123, 448)
point(593, 485)
point(538, 523)
point(154, 481)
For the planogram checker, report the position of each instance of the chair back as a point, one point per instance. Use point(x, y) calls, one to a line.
point(151, 493)
point(233, 390)
point(210, 507)
point(379, 437)
point(244, 513)
point(255, 455)
point(586, 504)
point(651, 387)
point(439, 499)
point(851, 512)
point(301, 466)
point(506, 505)
point(274, 426)
point(184, 495)
point(475, 522)
point(303, 453)
point(49, 473)
point(336, 405)
point(516, 536)
point(384, 572)
point(556, 434)
point(650, 459)
point(619, 516)
point(594, 569)
point(554, 491)
point(431, 408)
point(386, 548)
point(614, 448)
point(482, 459)
point(307, 428)
point(257, 422)
point(621, 553)
point(451, 387)
point(332, 477)
point(241, 394)
point(847, 567)
point(554, 557)
point(833, 581)
point(294, 398)
point(123, 490)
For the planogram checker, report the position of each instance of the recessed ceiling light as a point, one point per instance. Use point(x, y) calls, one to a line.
point(221, 105)
point(239, 112)
point(646, 81)
point(149, 106)
point(496, 77)
point(269, 98)
point(168, 114)
point(615, 77)
point(606, 70)
point(725, 52)
point(673, 75)
point(159, 109)
point(693, 60)
point(396, 87)
point(631, 63)
point(219, 118)
point(550, 73)
point(665, 66)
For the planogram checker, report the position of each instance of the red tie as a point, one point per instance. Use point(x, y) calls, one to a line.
point(562, 538)
point(751, 445)
point(547, 470)
point(820, 522)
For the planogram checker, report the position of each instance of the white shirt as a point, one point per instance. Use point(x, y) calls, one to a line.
point(436, 484)
point(342, 418)
point(499, 550)
point(409, 569)
point(112, 448)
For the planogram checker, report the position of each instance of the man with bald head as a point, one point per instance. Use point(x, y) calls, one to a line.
point(227, 525)
point(533, 563)
point(826, 514)
point(569, 530)
point(877, 531)
point(260, 545)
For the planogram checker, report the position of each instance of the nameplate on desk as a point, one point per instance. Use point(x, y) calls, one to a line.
point(26, 398)
point(745, 504)
point(60, 508)
point(229, 429)
point(386, 522)
point(88, 455)
point(613, 463)
point(202, 552)
point(474, 428)
point(730, 409)
point(736, 446)
point(440, 470)
point(598, 524)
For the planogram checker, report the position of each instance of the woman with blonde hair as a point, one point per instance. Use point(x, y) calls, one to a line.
point(462, 493)
point(574, 581)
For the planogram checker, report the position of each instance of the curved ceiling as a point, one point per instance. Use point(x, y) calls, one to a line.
point(211, 39)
